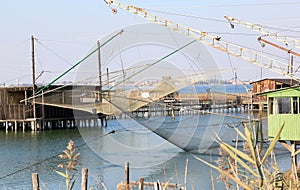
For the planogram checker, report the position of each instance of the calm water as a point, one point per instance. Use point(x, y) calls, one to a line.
point(104, 155)
point(223, 88)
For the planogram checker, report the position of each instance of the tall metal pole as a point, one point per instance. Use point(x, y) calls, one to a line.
point(33, 80)
point(100, 73)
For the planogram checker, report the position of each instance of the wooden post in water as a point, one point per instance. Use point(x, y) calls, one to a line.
point(6, 126)
point(156, 186)
point(24, 126)
point(127, 175)
point(35, 181)
point(141, 184)
point(84, 179)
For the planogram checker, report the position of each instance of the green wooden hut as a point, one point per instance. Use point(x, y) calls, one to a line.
point(283, 107)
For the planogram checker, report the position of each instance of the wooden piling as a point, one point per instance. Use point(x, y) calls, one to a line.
point(35, 181)
point(156, 186)
point(141, 184)
point(84, 179)
point(127, 175)
point(16, 126)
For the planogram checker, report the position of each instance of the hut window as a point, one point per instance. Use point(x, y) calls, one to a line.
point(283, 105)
point(271, 105)
point(295, 105)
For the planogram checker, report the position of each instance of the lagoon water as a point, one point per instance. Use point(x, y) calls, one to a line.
point(25, 153)
point(104, 154)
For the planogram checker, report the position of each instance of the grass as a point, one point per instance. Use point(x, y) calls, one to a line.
point(254, 167)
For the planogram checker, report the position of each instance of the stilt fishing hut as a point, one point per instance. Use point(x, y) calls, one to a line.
point(283, 109)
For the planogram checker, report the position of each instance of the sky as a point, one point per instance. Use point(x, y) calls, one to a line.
point(66, 30)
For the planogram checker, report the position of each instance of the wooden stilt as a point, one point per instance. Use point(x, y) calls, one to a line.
point(6, 126)
point(84, 179)
point(127, 175)
point(16, 126)
point(24, 126)
point(35, 182)
point(141, 184)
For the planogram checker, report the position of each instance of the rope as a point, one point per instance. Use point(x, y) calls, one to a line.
point(60, 57)
point(56, 79)
point(148, 66)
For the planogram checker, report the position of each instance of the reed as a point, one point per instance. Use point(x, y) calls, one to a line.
point(254, 167)
point(70, 161)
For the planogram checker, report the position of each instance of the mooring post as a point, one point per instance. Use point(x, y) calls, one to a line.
point(141, 184)
point(156, 186)
point(84, 179)
point(35, 181)
point(127, 175)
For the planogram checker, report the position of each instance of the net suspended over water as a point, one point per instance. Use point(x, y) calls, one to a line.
point(153, 75)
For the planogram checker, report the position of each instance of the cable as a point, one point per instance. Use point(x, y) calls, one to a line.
point(185, 15)
point(290, 29)
point(154, 63)
point(56, 79)
point(60, 57)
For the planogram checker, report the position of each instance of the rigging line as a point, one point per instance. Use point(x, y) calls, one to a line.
point(49, 158)
point(56, 79)
point(185, 56)
point(296, 70)
point(232, 33)
point(13, 45)
point(65, 85)
point(244, 34)
point(41, 73)
point(122, 64)
point(256, 4)
point(229, 59)
point(161, 59)
point(39, 60)
point(23, 76)
point(282, 28)
point(185, 15)
point(54, 53)
point(275, 55)
point(48, 91)
point(229, 5)
point(72, 40)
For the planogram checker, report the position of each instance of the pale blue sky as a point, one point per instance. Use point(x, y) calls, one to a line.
point(68, 29)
